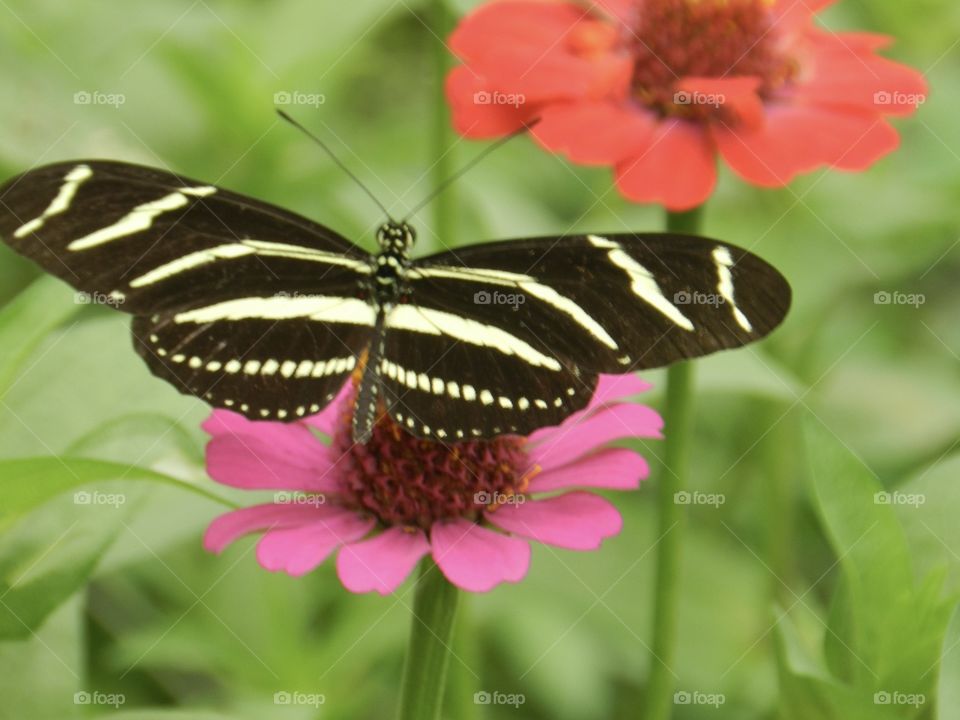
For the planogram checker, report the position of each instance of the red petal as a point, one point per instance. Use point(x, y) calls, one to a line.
point(842, 70)
point(530, 27)
point(678, 170)
point(736, 96)
point(472, 117)
point(799, 139)
point(543, 51)
point(593, 133)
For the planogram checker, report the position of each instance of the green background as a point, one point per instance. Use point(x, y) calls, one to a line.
point(803, 597)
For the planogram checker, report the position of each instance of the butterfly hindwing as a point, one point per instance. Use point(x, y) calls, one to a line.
point(442, 382)
point(263, 369)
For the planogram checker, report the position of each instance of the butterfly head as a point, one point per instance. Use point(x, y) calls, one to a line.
point(397, 237)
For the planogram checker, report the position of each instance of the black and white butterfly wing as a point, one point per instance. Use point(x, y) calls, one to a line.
point(452, 375)
point(538, 319)
point(237, 301)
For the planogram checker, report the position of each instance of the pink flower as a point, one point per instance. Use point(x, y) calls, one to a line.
point(658, 90)
point(474, 505)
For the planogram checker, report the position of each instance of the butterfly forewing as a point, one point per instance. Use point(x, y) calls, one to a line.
point(240, 303)
point(147, 240)
point(611, 303)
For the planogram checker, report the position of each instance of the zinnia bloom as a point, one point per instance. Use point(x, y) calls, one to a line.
point(474, 505)
point(657, 88)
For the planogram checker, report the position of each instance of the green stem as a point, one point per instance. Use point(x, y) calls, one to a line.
point(441, 22)
point(425, 670)
point(678, 421)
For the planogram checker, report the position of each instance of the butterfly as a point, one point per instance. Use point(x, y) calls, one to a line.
point(260, 311)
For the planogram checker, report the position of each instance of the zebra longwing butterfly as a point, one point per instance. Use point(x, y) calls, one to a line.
point(263, 312)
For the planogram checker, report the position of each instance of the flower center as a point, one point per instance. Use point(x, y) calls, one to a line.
point(404, 480)
point(719, 39)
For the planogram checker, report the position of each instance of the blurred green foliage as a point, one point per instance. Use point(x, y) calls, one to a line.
point(805, 596)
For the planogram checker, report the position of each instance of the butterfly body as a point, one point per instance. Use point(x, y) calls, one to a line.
point(260, 311)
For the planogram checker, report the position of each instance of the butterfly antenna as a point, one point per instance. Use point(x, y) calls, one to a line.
point(336, 160)
point(469, 166)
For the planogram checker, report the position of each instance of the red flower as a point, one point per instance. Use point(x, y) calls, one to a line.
point(657, 88)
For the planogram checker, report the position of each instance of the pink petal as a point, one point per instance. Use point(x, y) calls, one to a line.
point(611, 388)
point(475, 558)
point(326, 420)
point(574, 520)
point(382, 562)
point(231, 526)
point(593, 133)
point(296, 551)
point(677, 170)
point(615, 469)
point(574, 439)
point(800, 138)
point(277, 456)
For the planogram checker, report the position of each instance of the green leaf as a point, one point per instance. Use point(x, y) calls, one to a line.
point(26, 484)
point(47, 559)
point(885, 630)
point(27, 320)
